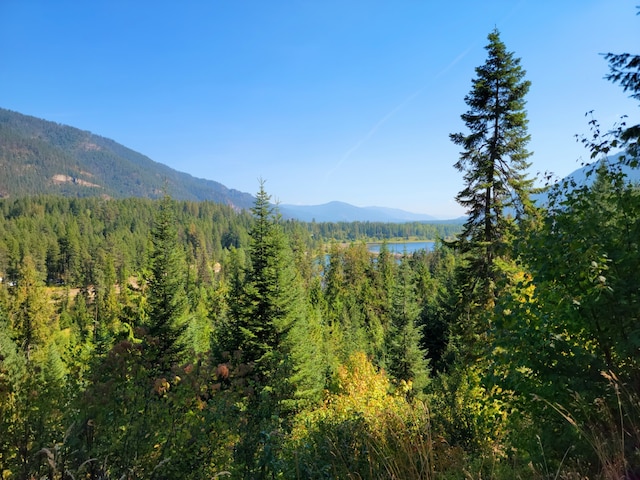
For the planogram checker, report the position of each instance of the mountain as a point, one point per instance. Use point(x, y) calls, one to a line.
point(580, 175)
point(42, 157)
point(586, 175)
point(344, 212)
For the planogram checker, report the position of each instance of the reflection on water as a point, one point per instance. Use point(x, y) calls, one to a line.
point(401, 247)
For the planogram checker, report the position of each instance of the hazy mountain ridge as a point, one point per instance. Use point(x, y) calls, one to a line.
point(582, 177)
point(343, 212)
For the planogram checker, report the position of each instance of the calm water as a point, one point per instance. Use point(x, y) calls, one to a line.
point(401, 247)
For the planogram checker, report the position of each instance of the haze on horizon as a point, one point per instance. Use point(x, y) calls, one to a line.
point(345, 101)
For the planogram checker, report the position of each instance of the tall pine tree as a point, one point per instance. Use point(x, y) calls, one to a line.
point(267, 309)
point(167, 298)
point(269, 302)
point(407, 361)
point(494, 161)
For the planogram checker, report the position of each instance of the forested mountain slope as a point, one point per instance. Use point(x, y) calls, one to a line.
point(42, 157)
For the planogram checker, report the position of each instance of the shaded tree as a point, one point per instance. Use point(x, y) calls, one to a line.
point(33, 371)
point(406, 360)
point(32, 313)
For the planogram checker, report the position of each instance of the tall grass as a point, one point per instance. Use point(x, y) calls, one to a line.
point(611, 427)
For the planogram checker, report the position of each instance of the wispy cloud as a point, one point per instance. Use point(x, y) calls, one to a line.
point(392, 113)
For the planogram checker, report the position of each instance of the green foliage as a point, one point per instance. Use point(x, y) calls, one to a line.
point(32, 316)
point(151, 427)
point(494, 160)
point(183, 340)
point(467, 413)
point(13, 368)
point(166, 295)
point(351, 433)
point(571, 314)
point(87, 243)
point(268, 299)
point(357, 300)
point(436, 287)
point(378, 231)
point(588, 272)
point(33, 374)
point(406, 361)
point(266, 312)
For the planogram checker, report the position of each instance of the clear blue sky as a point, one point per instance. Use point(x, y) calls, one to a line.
point(324, 99)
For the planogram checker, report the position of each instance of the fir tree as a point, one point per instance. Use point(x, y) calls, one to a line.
point(382, 284)
point(268, 308)
point(406, 360)
point(166, 297)
point(271, 297)
point(37, 391)
point(33, 316)
point(493, 160)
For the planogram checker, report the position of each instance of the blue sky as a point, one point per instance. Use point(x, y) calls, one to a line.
point(324, 99)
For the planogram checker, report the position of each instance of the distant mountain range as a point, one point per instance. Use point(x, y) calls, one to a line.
point(39, 157)
point(344, 212)
point(580, 175)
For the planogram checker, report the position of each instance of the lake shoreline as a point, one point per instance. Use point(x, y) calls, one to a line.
point(402, 247)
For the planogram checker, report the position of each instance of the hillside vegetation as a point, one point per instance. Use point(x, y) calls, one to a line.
point(190, 340)
point(39, 157)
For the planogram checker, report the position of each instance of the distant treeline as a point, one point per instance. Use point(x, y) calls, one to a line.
point(354, 231)
point(72, 239)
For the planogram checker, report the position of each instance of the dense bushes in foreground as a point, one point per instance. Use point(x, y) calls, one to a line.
point(359, 367)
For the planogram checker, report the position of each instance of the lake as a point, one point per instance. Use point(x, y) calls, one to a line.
point(401, 247)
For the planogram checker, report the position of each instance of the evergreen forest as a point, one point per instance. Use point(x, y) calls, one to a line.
point(175, 339)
